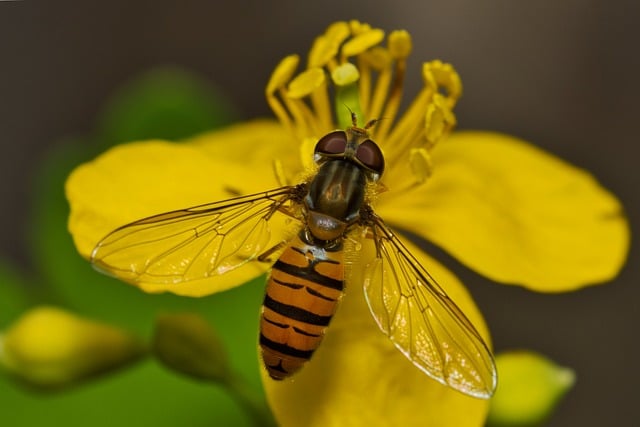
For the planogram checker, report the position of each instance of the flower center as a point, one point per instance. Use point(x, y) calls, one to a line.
point(349, 64)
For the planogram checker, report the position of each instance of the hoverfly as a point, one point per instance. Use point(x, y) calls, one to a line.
point(307, 280)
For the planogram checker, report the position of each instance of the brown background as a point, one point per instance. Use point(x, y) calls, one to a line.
point(562, 74)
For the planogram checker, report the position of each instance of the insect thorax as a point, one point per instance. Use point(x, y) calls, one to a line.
point(334, 199)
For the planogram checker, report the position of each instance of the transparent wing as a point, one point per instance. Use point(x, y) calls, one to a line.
point(422, 321)
point(193, 243)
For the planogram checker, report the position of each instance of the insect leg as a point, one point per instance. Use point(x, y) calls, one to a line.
point(264, 257)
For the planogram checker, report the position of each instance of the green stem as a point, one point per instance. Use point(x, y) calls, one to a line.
point(347, 101)
point(255, 405)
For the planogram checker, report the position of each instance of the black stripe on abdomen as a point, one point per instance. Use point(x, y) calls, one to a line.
point(302, 293)
point(295, 313)
point(308, 273)
point(285, 349)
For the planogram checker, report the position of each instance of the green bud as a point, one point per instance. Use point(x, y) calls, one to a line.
point(49, 348)
point(186, 343)
point(529, 388)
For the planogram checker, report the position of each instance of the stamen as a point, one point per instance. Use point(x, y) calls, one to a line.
point(358, 27)
point(377, 59)
point(305, 83)
point(345, 74)
point(361, 43)
point(373, 90)
point(365, 83)
point(380, 93)
point(443, 78)
point(438, 121)
point(325, 47)
point(437, 76)
point(399, 47)
point(280, 112)
point(306, 122)
point(322, 105)
point(409, 124)
point(400, 44)
point(300, 127)
point(312, 82)
point(282, 73)
point(279, 78)
point(338, 32)
point(420, 163)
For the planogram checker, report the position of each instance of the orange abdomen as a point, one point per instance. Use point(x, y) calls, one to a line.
point(302, 294)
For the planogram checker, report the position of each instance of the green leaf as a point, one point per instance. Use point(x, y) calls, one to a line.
point(164, 103)
point(55, 258)
point(146, 395)
point(13, 293)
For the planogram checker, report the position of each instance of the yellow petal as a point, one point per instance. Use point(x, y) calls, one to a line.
point(255, 145)
point(515, 214)
point(136, 180)
point(358, 378)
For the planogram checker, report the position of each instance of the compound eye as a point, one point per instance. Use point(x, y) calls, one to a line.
point(333, 143)
point(369, 154)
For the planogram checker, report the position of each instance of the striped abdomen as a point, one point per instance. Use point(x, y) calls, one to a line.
point(301, 297)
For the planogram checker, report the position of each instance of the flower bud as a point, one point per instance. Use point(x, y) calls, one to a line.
point(529, 388)
point(50, 348)
point(185, 342)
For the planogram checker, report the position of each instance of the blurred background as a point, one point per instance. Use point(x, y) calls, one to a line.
point(562, 75)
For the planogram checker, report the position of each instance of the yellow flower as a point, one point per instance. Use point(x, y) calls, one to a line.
point(501, 206)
